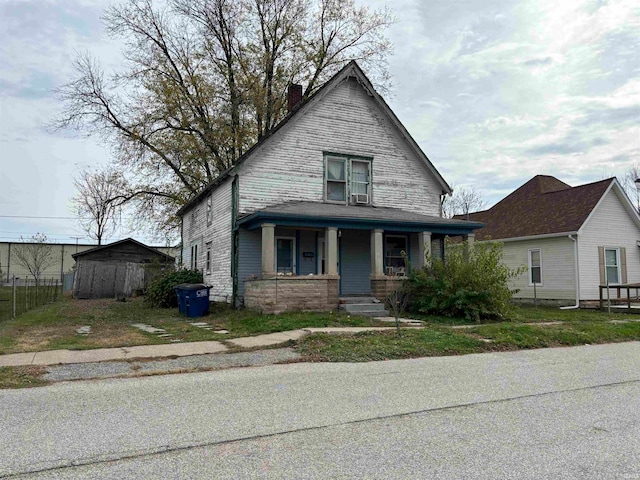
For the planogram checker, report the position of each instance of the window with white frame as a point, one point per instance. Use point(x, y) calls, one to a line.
point(535, 266)
point(209, 211)
point(208, 257)
point(612, 265)
point(347, 179)
point(194, 256)
point(395, 253)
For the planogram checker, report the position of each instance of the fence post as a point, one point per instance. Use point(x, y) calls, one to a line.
point(15, 298)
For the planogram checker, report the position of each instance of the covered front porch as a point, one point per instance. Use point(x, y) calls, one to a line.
point(311, 254)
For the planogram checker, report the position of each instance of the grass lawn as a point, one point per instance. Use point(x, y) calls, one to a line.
point(53, 326)
point(21, 377)
point(530, 314)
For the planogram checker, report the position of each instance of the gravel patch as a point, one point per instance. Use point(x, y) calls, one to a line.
point(86, 371)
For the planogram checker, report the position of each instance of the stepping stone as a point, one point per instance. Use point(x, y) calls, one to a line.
point(199, 324)
point(148, 328)
point(84, 330)
point(175, 340)
point(165, 335)
point(221, 332)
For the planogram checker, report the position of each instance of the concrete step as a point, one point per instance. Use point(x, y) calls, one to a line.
point(355, 300)
point(361, 307)
point(372, 313)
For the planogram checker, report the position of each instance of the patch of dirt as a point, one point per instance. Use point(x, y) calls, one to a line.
point(37, 338)
point(108, 335)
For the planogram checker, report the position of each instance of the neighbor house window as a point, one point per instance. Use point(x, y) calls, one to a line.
point(194, 257)
point(348, 179)
point(395, 252)
point(612, 265)
point(535, 266)
point(208, 260)
point(209, 212)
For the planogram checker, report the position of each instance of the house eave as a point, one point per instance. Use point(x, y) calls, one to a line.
point(530, 237)
point(255, 220)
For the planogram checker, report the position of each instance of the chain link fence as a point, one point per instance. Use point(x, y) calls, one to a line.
point(23, 294)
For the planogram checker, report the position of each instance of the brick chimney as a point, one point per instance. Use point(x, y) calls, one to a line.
point(294, 96)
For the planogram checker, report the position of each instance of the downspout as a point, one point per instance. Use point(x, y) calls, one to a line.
point(575, 260)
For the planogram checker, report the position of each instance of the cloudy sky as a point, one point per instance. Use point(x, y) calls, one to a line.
point(494, 91)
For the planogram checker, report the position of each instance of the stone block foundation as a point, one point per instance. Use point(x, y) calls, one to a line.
point(313, 293)
point(383, 286)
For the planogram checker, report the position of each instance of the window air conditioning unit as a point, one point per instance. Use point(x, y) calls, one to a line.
point(360, 198)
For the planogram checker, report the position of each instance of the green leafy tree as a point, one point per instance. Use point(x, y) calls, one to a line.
point(204, 80)
point(472, 283)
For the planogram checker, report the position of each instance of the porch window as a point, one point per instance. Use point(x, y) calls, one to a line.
point(535, 266)
point(396, 249)
point(612, 265)
point(285, 255)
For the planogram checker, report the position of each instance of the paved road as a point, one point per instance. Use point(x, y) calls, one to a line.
point(557, 413)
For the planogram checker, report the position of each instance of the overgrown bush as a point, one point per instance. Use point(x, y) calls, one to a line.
point(472, 285)
point(160, 292)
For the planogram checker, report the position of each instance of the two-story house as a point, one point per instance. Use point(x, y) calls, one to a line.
point(326, 205)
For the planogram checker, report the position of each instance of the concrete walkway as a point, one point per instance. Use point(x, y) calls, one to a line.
point(56, 357)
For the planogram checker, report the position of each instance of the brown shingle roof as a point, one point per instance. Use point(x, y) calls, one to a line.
point(543, 205)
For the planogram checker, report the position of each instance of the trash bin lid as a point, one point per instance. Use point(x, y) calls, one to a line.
point(191, 286)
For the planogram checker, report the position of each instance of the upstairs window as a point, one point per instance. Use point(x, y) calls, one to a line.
point(348, 179)
point(209, 212)
point(535, 266)
point(336, 179)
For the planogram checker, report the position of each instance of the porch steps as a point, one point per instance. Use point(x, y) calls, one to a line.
point(368, 306)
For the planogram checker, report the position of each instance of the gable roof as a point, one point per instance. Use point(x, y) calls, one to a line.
point(352, 69)
point(542, 206)
point(120, 242)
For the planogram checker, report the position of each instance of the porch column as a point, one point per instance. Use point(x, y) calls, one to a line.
point(424, 248)
point(268, 249)
point(377, 254)
point(470, 239)
point(331, 256)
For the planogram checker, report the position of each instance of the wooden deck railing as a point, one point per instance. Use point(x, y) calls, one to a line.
point(619, 289)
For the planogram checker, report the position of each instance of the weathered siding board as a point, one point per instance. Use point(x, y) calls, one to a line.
point(196, 231)
point(98, 279)
point(307, 265)
point(290, 166)
point(355, 258)
point(249, 256)
point(610, 226)
point(558, 273)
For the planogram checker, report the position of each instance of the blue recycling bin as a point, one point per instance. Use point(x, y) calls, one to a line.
point(193, 299)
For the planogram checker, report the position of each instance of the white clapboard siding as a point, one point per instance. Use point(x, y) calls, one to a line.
point(610, 225)
point(345, 120)
point(196, 230)
point(558, 272)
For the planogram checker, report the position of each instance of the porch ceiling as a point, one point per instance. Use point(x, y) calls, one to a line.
point(322, 215)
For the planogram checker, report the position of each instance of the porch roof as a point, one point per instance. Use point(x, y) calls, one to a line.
point(363, 217)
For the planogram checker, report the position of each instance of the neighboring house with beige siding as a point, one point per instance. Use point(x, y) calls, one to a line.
point(324, 206)
point(572, 239)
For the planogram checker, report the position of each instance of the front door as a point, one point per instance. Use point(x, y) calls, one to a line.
point(285, 255)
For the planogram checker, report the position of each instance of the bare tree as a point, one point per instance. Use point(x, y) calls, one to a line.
point(397, 301)
point(464, 201)
point(207, 78)
point(628, 182)
point(34, 254)
point(98, 201)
